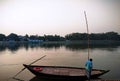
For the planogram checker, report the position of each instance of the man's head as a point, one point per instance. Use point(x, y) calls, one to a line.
point(90, 59)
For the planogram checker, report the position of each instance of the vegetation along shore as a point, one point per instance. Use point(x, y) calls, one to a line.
point(114, 36)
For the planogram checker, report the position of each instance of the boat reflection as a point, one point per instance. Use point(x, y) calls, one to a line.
point(49, 79)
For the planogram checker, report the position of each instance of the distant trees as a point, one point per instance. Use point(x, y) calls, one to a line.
point(13, 37)
point(53, 38)
point(2, 37)
point(72, 37)
point(76, 36)
point(34, 37)
point(112, 36)
point(47, 37)
point(93, 36)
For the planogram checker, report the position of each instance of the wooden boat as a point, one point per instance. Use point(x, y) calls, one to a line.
point(60, 72)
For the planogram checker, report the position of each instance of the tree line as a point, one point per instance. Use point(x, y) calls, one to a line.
point(73, 36)
point(93, 36)
point(15, 37)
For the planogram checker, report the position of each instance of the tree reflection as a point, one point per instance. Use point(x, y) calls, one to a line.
point(77, 47)
point(2, 48)
point(50, 46)
point(13, 46)
point(55, 45)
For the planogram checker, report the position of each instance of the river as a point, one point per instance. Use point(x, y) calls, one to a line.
point(13, 56)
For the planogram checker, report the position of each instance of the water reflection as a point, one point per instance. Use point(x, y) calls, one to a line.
point(16, 46)
point(48, 79)
point(13, 47)
point(50, 46)
point(77, 47)
point(72, 46)
point(68, 54)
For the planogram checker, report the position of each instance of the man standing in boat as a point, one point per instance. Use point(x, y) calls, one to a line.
point(88, 67)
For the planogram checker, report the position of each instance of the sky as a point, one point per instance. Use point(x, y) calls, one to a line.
point(61, 17)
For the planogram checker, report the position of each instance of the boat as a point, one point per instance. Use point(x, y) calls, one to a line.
point(62, 72)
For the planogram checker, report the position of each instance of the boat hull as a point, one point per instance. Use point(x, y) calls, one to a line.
point(46, 72)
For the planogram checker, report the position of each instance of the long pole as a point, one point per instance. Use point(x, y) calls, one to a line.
point(29, 64)
point(87, 34)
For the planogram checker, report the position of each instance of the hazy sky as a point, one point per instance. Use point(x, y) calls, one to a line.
point(58, 16)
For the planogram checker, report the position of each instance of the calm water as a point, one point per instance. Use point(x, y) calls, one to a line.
point(13, 56)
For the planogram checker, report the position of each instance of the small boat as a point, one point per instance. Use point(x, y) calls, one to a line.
point(62, 72)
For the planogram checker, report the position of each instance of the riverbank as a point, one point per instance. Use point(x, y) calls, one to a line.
point(81, 42)
point(76, 41)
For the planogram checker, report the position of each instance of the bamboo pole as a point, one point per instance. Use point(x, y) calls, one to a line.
point(29, 64)
point(87, 34)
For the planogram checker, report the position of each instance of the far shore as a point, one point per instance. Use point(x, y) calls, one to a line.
point(91, 42)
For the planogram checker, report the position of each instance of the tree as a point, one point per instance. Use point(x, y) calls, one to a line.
point(2, 37)
point(93, 36)
point(53, 38)
point(34, 37)
point(26, 37)
point(112, 36)
point(13, 37)
point(76, 36)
